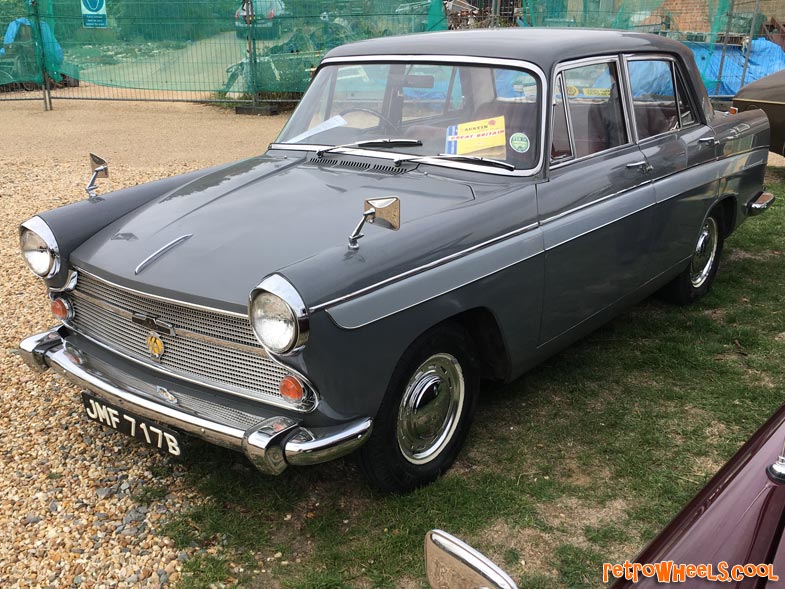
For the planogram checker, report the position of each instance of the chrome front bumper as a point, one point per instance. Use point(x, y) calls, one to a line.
point(271, 443)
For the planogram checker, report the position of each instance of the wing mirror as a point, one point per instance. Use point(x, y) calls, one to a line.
point(100, 169)
point(453, 564)
point(384, 212)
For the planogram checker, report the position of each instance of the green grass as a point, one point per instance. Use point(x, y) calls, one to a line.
point(581, 461)
point(151, 494)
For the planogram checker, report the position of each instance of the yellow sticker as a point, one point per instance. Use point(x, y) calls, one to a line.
point(486, 136)
point(572, 91)
point(596, 91)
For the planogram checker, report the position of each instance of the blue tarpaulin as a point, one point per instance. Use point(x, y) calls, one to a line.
point(765, 58)
point(52, 50)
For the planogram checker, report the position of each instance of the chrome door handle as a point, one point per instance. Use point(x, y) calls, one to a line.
point(710, 141)
point(642, 166)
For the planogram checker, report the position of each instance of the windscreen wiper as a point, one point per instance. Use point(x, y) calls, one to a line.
point(473, 159)
point(373, 143)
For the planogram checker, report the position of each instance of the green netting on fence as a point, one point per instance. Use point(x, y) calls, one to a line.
point(197, 46)
point(21, 54)
point(235, 49)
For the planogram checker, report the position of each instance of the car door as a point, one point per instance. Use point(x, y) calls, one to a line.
point(596, 208)
point(678, 148)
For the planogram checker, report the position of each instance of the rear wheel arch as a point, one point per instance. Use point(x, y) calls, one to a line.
point(728, 206)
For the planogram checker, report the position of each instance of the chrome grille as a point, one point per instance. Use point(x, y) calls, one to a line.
point(199, 407)
point(102, 312)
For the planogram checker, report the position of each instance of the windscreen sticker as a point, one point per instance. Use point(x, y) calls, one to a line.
point(596, 91)
point(520, 142)
point(483, 137)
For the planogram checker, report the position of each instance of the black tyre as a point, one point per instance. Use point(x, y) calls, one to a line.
point(426, 412)
point(696, 279)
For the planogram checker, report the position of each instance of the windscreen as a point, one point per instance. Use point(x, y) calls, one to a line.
point(462, 110)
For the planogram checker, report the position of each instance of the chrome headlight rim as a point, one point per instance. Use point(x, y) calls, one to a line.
point(277, 286)
point(38, 227)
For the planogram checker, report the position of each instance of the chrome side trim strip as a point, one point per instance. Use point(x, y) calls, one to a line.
point(162, 298)
point(598, 227)
point(514, 258)
point(160, 252)
point(424, 267)
point(592, 203)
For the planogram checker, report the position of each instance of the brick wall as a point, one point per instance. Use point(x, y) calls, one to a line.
point(693, 15)
point(775, 8)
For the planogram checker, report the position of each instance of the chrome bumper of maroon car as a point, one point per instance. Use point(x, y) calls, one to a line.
point(271, 444)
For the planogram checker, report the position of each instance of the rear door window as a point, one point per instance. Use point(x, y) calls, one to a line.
point(653, 96)
point(595, 111)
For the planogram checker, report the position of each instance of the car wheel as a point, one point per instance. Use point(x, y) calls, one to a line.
point(425, 414)
point(696, 279)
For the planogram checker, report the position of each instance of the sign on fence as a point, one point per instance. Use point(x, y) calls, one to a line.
point(94, 14)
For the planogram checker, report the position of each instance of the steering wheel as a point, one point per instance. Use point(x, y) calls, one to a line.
point(382, 119)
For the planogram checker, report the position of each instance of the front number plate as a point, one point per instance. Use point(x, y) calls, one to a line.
point(154, 434)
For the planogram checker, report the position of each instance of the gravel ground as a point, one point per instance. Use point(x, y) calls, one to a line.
point(80, 505)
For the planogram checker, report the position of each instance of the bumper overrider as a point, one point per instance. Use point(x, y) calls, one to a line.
point(271, 443)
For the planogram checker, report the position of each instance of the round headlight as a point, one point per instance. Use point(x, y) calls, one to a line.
point(39, 248)
point(273, 322)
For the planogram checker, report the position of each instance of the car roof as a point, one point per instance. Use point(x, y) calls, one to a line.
point(771, 87)
point(542, 46)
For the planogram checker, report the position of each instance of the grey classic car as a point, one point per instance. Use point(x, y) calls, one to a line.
point(439, 209)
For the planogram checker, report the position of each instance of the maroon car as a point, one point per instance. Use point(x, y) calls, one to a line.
point(767, 94)
point(737, 519)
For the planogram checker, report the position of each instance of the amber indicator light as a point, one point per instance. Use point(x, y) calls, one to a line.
point(291, 389)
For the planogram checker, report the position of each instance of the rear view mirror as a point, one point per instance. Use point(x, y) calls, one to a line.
point(384, 212)
point(100, 169)
point(99, 166)
point(453, 564)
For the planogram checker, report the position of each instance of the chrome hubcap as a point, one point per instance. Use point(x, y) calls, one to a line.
point(430, 408)
point(705, 252)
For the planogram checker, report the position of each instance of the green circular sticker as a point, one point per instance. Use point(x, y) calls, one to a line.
point(519, 142)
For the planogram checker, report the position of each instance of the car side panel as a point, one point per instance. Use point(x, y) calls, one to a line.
point(597, 221)
point(685, 191)
point(355, 380)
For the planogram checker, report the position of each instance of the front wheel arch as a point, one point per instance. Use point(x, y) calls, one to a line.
point(412, 411)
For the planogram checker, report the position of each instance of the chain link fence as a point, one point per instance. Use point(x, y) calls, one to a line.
point(254, 51)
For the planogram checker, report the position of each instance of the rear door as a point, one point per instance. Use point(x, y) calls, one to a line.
point(679, 149)
point(596, 209)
